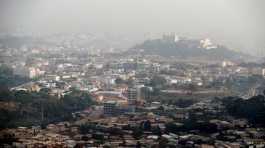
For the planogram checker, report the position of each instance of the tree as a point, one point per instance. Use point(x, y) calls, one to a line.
point(253, 108)
point(184, 102)
point(6, 70)
point(8, 79)
point(41, 108)
point(137, 133)
point(119, 81)
point(191, 88)
point(163, 142)
point(85, 128)
point(138, 145)
point(157, 131)
point(146, 125)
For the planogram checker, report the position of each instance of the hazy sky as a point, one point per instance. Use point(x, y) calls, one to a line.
point(239, 24)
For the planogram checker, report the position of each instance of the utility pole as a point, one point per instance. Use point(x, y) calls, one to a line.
point(42, 112)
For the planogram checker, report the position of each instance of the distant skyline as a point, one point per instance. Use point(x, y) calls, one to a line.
point(238, 24)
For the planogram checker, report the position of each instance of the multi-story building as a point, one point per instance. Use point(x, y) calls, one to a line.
point(30, 72)
point(132, 95)
point(263, 72)
point(110, 107)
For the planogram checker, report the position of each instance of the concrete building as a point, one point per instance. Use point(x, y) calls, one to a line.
point(30, 72)
point(263, 72)
point(110, 107)
point(117, 107)
point(132, 95)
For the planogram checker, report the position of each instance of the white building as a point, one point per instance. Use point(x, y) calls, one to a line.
point(263, 72)
point(30, 72)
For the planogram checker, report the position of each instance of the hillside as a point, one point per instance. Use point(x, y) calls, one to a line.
point(21, 108)
point(186, 49)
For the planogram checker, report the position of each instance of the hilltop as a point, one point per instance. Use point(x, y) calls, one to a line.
point(171, 46)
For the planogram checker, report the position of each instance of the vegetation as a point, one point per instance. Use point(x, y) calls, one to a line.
point(7, 79)
point(21, 108)
point(26, 109)
point(253, 109)
point(185, 49)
